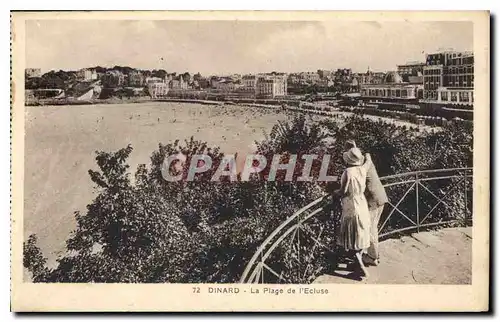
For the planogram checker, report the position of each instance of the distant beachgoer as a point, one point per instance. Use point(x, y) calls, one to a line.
point(354, 234)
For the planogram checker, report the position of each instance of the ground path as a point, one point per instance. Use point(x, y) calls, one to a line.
point(376, 118)
point(434, 257)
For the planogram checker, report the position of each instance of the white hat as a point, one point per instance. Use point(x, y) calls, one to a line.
point(353, 157)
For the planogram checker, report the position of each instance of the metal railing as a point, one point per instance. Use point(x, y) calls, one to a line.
point(418, 200)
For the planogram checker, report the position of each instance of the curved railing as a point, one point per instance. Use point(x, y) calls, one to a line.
point(294, 251)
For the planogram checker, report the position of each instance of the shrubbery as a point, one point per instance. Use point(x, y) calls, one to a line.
point(149, 230)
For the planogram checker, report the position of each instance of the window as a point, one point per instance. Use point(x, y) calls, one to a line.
point(444, 96)
point(453, 96)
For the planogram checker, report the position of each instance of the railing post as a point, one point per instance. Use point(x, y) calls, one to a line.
point(261, 269)
point(265, 189)
point(465, 196)
point(298, 245)
point(417, 183)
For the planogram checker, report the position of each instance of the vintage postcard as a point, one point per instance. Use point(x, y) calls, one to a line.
point(250, 161)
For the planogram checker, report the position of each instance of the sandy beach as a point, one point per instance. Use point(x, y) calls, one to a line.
point(61, 141)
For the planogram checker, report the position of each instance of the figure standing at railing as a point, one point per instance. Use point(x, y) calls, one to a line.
point(355, 222)
point(376, 198)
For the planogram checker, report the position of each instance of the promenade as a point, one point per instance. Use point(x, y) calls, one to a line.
point(433, 257)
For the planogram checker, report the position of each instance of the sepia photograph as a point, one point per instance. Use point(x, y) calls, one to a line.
point(246, 154)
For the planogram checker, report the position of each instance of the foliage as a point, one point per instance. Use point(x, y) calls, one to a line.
point(53, 79)
point(149, 230)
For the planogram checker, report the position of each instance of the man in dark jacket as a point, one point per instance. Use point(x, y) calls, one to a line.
point(376, 198)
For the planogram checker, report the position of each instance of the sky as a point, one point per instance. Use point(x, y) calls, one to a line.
point(226, 47)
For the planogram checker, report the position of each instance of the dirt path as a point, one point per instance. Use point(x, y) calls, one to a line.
point(436, 257)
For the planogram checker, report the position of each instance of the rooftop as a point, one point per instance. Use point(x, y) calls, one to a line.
point(412, 63)
point(393, 78)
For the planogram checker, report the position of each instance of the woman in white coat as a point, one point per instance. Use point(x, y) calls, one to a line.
point(354, 234)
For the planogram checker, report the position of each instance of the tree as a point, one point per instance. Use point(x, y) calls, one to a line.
point(100, 69)
point(123, 69)
point(159, 73)
point(127, 235)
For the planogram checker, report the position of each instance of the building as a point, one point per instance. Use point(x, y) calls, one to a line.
point(392, 91)
point(153, 79)
point(248, 83)
point(361, 78)
point(86, 74)
point(369, 77)
point(310, 77)
point(136, 79)
point(236, 77)
point(157, 89)
point(112, 79)
point(201, 83)
point(449, 79)
point(343, 75)
point(177, 82)
point(411, 68)
point(323, 73)
point(227, 85)
point(174, 84)
point(271, 85)
point(197, 77)
point(170, 77)
point(32, 72)
point(183, 83)
point(214, 80)
point(456, 96)
point(326, 82)
point(294, 79)
point(187, 78)
point(378, 77)
point(264, 88)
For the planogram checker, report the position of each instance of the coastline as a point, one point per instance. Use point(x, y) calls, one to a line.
point(421, 120)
